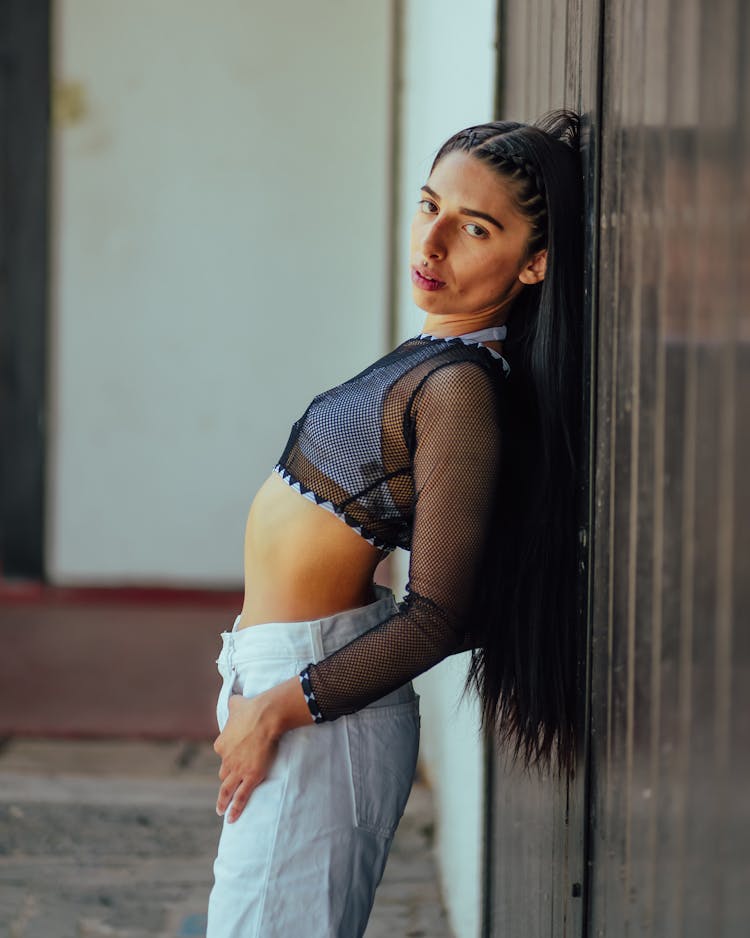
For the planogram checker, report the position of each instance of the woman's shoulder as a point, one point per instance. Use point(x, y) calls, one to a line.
point(454, 382)
point(458, 394)
point(453, 366)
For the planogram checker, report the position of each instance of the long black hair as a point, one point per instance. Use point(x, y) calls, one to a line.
point(525, 618)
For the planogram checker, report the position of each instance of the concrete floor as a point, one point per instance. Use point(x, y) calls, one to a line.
point(115, 840)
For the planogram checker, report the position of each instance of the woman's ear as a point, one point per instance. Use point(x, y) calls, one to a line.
point(534, 269)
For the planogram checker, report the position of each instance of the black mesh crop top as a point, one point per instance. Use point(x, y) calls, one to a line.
point(406, 453)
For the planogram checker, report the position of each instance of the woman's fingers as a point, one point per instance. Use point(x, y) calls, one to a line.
point(247, 751)
point(235, 790)
point(226, 791)
point(241, 798)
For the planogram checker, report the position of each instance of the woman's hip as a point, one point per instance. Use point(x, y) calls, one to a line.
point(371, 752)
point(312, 842)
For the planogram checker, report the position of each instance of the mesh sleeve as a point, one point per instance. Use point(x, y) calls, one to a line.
point(455, 447)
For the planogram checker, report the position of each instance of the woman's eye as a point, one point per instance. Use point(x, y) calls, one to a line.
point(476, 231)
point(427, 206)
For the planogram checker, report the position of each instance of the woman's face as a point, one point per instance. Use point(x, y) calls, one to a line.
point(474, 242)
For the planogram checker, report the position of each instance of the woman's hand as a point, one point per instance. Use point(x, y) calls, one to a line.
point(250, 739)
point(247, 752)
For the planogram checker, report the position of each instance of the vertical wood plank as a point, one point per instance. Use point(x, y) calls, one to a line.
point(24, 115)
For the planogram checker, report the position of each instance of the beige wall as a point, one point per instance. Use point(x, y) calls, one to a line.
point(219, 255)
point(221, 185)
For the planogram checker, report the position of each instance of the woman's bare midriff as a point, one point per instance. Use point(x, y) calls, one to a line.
point(301, 561)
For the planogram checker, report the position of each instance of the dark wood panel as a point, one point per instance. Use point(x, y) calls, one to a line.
point(668, 709)
point(669, 832)
point(24, 112)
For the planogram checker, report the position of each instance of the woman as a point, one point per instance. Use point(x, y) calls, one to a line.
point(460, 445)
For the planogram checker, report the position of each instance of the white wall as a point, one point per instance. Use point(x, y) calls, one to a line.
point(219, 256)
point(448, 84)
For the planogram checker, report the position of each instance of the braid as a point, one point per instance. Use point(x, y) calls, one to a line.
point(530, 193)
point(516, 165)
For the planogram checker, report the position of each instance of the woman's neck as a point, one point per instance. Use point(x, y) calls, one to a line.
point(446, 326)
point(490, 334)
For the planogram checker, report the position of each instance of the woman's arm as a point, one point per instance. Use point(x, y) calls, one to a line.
point(455, 459)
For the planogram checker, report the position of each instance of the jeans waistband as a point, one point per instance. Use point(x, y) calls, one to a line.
point(311, 640)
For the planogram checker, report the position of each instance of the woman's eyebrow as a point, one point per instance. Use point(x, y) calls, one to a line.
point(467, 211)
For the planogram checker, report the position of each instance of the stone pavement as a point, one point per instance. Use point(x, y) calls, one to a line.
point(116, 839)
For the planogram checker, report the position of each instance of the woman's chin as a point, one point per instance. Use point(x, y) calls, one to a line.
point(428, 302)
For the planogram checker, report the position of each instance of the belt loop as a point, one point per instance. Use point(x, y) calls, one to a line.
point(225, 660)
point(230, 651)
point(316, 639)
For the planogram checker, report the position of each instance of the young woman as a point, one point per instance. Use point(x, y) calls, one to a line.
point(461, 446)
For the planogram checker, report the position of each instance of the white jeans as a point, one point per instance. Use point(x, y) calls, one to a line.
point(308, 851)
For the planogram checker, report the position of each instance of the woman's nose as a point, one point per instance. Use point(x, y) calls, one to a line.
point(433, 242)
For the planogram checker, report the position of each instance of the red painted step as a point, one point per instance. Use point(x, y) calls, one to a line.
point(129, 663)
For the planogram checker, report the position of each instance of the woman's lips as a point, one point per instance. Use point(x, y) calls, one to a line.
point(425, 281)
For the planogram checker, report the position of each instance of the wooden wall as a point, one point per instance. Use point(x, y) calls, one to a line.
point(669, 832)
point(655, 830)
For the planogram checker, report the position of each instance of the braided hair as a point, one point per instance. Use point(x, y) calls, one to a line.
point(525, 621)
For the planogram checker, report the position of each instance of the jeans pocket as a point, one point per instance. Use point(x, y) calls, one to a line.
point(383, 747)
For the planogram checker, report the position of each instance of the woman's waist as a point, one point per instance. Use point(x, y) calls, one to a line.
point(301, 562)
point(279, 599)
point(309, 639)
point(297, 576)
